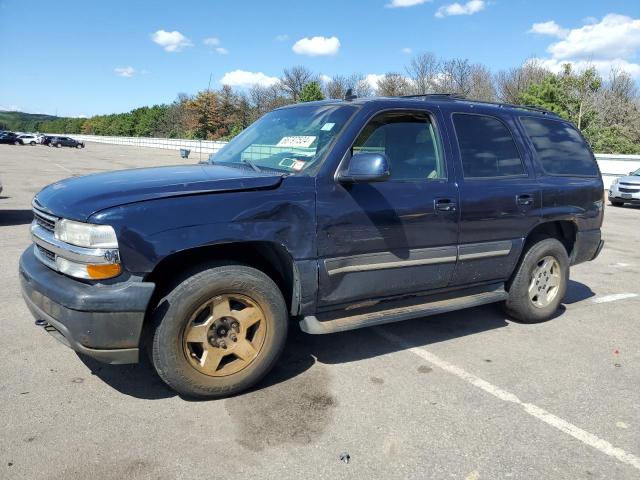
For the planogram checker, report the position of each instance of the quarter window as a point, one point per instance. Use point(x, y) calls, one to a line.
point(561, 149)
point(410, 142)
point(487, 147)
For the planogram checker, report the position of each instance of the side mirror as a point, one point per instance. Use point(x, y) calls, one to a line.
point(366, 168)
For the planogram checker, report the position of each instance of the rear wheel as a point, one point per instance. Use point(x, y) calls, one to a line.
point(17, 142)
point(540, 282)
point(219, 331)
point(32, 143)
point(58, 145)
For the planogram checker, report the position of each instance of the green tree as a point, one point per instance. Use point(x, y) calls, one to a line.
point(311, 92)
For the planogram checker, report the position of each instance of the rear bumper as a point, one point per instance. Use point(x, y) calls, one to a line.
point(588, 246)
point(101, 321)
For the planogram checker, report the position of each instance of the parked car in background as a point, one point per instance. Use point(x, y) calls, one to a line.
point(46, 139)
point(65, 142)
point(334, 215)
point(625, 189)
point(10, 138)
point(27, 139)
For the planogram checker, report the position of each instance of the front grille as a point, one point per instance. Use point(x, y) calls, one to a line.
point(46, 253)
point(629, 190)
point(46, 221)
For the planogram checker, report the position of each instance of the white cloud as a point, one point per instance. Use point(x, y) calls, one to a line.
point(613, 42)
point(373, 79)
point(315, 46)
point(222, 51)
point(405, 3)
point(406, 50)
point(171, 41)
point(211, 41)
point(126, 72)
point(549, 28)
point(325, 78)
point(469, 8)
point(242, 78)
point(282, 37)
point(615, 36)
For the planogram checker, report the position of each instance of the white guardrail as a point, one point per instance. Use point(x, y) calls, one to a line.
point(611, 166)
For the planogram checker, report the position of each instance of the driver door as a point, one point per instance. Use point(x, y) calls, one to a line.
point(396, 237)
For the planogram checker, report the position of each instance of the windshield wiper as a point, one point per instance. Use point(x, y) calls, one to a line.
point(252, 165)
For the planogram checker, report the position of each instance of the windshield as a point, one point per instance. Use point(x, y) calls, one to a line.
point(288, 140)
point(636, 173)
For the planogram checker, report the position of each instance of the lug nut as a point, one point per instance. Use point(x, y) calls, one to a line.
point(234, 337)
point(235, 326)
point(222, 344)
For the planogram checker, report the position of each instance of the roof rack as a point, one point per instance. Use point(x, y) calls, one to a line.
point(455, 96)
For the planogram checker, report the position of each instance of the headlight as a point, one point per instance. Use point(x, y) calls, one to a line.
point(85, 234)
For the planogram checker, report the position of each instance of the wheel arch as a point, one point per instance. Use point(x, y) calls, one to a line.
point(270, 258)
point(563, 230)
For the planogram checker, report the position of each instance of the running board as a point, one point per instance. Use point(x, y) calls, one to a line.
point(398, 312)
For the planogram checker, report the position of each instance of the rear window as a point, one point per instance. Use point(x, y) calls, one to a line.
point(560, 147)
point(487, 147)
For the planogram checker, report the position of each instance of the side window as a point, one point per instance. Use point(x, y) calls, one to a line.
point(561, 149)
point(410, 142)
point(487, 147)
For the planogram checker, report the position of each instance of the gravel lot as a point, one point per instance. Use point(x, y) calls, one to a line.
point(467, 395)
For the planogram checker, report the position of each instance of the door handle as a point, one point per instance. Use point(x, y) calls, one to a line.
point(445, 205)
point(524, 200)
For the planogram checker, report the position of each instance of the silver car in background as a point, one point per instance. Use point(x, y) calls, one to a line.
point(625, 189)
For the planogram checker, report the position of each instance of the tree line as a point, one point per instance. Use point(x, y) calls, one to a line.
point(606, 110)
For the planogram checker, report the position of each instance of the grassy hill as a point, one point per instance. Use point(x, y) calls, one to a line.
point(23, 122)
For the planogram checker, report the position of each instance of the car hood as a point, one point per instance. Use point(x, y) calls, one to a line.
point(630, 179)
point(78, 198)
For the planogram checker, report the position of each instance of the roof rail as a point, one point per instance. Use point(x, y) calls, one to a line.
point(455, 96)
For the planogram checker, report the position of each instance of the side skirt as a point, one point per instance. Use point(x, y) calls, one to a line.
point(406, 309)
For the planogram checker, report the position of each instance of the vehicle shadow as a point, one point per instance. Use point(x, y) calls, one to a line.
point(15, 217)
point(302, 351)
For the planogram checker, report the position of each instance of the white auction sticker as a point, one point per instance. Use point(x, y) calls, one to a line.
point(298, 165)
point(327, 127)
point(299, 141)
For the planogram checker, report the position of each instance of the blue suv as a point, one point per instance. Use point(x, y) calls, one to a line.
point(335, 215)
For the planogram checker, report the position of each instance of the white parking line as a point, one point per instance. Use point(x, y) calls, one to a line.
point(533, 410)
point(63, 168)
point(614, 297)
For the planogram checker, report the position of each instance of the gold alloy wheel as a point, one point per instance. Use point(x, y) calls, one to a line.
point(224, 335)
point(545, 282)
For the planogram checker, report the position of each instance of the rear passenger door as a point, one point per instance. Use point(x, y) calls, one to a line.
point(499, 196)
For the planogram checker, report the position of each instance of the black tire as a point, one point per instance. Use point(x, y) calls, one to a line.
point(17, 142)
point(519, 305)
point(616, 203)
point(58, 145)
point(174, 312)
point(32, 143)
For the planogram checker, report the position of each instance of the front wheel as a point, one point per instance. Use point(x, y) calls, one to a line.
point(17, 142)
point(58, 145)
point(32, 143)
point(219, 331)
point(616, 203)
point(540, 282)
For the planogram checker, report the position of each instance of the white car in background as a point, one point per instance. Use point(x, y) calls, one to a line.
point(625, 189)
point(27, 139)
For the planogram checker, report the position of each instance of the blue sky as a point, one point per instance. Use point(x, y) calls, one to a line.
point(89, 57)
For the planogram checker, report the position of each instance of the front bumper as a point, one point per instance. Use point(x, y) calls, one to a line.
point(101, 321)
point(631, 195)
